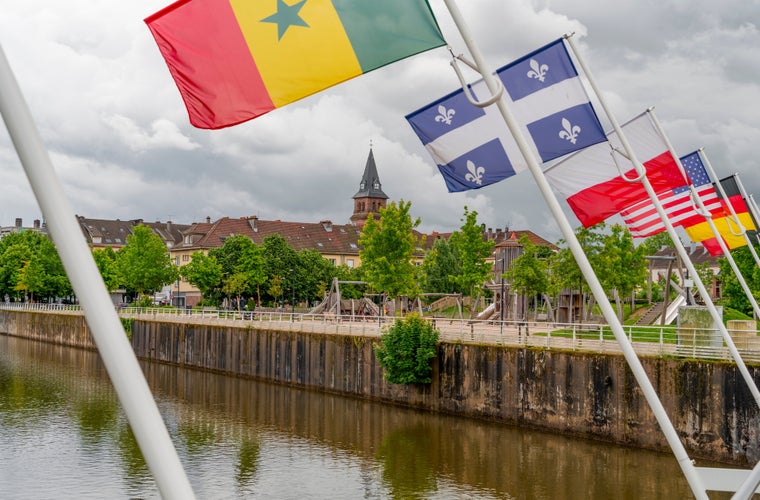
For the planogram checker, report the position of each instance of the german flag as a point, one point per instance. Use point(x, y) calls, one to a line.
point(725, 222)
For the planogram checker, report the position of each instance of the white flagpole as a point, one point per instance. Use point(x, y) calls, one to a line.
point(751, 206)
point(107, 330)
point(641, 171)
point(687, 466)
point(755, 211)
point(723, 247)
point(722, 192)
point(717, 318)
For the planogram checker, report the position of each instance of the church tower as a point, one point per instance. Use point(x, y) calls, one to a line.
point(370, 197)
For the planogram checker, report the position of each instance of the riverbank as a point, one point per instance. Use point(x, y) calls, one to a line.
point(585, 394)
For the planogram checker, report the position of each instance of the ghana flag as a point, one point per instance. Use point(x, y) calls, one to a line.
point(234, 60)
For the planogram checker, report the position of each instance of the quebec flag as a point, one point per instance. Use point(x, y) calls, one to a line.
point(474, 148)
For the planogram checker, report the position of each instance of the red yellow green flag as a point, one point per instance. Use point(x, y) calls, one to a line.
point(234, 60)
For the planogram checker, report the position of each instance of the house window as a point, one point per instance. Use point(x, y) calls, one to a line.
point(332, 261)
point(185, 258)
point(350, 263)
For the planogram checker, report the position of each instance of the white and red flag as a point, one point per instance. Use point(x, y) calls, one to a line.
point(592, 179)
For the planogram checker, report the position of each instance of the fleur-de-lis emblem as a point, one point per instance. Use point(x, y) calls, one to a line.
point(476, 173)
point(571, 131)
point(537, 71)
point(445, 115)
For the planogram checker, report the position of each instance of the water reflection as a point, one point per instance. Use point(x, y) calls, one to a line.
point(239, 438)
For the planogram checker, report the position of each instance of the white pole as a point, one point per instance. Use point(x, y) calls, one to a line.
point(107, 330)
point(601, 297)
point(722, 192)
point(717, 318)
point(751, 206)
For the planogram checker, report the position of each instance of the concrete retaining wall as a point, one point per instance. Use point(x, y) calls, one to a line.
point(585, 394)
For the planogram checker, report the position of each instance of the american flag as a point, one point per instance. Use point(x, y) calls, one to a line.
point(642, 218)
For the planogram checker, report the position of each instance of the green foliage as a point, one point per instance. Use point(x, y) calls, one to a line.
point(472, 252)
point(127, 324)
point(203, 272)
point(144, 301)
point(565, 272)
point(439, 268)
point(313, 275)
point(280, 262)
point(653, 244)
point(143, 264)
point(405, 351)
point(733, 294)
point(345, 273)
point(388, 246)
point(30, 265)
point(105, 259)
point(528, 273)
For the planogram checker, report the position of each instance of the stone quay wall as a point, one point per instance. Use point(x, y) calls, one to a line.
point(585, 394)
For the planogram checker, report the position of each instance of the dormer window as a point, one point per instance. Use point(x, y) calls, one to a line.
point(376, 185)
point(362, 186)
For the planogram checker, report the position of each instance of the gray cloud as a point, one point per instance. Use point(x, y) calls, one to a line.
point(119, 136)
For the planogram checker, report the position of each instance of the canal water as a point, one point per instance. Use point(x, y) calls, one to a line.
point(64, 435)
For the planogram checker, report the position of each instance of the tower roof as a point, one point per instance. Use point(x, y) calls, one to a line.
point(370, 186)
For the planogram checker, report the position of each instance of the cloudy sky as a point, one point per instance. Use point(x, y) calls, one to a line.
point(118, 134)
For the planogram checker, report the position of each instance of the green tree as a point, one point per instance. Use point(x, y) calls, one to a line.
point(44, 275)
point(654, 244)
point(105, 260)
point(440, 268)
point(405, 350)
point(733, 294)
point(313, 275)
point(528, 273)
point(251, 271)
point(143, 264)
point(31, 278)
point(564, 270)
point(204, 273)
point(280, 263)
point(388, 246)
point(349, 291)
point(241, 263)
point(621, 267)
point(473, 252)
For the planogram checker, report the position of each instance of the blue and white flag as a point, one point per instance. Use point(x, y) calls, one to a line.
point(474, 148)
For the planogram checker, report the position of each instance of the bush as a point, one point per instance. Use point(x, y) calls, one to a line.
point(405, 351)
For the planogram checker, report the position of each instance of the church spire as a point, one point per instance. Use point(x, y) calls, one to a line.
point(370, 197)
point(369, 186)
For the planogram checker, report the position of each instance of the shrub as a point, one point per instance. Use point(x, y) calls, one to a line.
point(405, 351)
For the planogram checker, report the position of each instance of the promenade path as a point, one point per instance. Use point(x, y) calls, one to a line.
point(647, 341)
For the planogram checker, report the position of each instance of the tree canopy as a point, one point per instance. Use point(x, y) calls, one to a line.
point(31, 268)
point(387, 252)
point(143, 264)
point(473, 251)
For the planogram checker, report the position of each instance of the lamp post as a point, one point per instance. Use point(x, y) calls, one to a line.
point(293, 292)
point(501, 297)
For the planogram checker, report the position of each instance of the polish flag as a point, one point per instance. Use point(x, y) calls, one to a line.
point(591, 179)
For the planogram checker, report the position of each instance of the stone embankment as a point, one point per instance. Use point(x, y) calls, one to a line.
point(587, 394)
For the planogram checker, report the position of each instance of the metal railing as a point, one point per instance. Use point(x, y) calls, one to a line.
point(668, 341)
